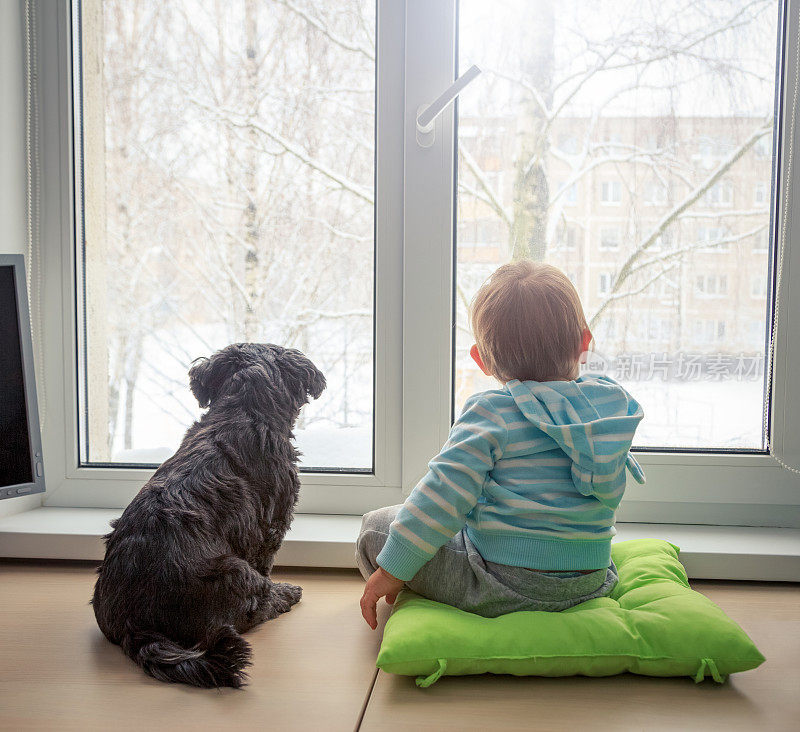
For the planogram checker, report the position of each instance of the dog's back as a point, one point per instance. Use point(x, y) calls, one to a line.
point(159, 597)
point(187, 564)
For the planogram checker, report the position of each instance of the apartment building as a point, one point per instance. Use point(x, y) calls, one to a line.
point(662, 223)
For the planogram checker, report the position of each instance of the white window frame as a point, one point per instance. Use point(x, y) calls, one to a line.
point(712, 248)
point(655, 193)
point(703, 286)
point(604, 280)
point(720, 195)
point(414, 305)
point(610, 185)
point(563, 230)
point(567, 193)
point(69, 484)
point(609, 247)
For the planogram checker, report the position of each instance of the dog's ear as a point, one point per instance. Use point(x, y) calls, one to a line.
point(208, 375)
point(197, 380)
point(301, 376)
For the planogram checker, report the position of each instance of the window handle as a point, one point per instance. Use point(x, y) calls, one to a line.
point(427, 113)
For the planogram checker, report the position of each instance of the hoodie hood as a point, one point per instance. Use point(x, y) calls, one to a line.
point(592, 419)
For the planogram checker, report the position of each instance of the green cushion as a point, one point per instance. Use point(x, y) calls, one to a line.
point(652, 624)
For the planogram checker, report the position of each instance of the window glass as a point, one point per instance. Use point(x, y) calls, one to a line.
point(226, 173)
point(664, 111)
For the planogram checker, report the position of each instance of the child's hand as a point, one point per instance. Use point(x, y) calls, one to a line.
point(380, 584)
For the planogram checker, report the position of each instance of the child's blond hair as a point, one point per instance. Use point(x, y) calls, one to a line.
point(528, 323)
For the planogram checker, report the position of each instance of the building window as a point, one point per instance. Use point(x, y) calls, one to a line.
point(763, 148)
point(569, 194)
point(761, 241)
point(612, 141)
point(604, 283)
point(708, 330)
point(610, 237)
point(663, 241)
point(482, 232)
point(711, 237)
point(720, 195)
point(711, 285)
point(760, 194)
point(659, 329)
point(611, 192)
point(568, 144)
point(710, 150)
point(655, 193)
point(758, 287)
point(567, 236)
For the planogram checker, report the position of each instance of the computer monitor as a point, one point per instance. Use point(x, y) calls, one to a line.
point(21, 466)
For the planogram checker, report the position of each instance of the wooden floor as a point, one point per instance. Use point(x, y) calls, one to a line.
point(314, 670)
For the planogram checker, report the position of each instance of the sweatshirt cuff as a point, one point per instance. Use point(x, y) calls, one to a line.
point(399, 560)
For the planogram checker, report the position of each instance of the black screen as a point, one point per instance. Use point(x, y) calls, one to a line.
point(15, 451)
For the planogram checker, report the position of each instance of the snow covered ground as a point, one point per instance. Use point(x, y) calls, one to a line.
point(691, 415)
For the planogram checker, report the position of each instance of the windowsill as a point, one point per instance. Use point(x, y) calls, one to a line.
point(708, 552)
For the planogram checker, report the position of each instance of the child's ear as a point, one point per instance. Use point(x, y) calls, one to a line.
point(476, 357)
point(586, 341)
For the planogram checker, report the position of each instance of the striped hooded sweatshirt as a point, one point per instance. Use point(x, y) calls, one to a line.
point(535, 471)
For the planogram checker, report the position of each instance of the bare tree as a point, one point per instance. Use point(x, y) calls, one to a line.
point(547, 91)
point(239, 157)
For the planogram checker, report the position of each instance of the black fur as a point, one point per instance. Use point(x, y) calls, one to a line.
point(187, 564)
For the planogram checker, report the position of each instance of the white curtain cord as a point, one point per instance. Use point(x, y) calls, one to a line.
point(33, 259)
point(781, 244)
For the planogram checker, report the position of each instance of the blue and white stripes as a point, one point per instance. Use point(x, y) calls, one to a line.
point(534, 470)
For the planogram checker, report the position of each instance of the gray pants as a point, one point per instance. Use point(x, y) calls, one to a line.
point(459, 576)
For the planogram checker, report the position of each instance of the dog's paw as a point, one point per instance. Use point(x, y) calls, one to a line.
point(286, 595)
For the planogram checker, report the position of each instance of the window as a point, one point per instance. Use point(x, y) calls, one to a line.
point(720, 194)
point(373, 245)
point(763, 148)
point(219, 211)
point(613, 142)
point(569, 144)
point(712, 239)
point(760, 193)
point(663, 241)
point(483, 232)
point(655, 193)
point(758, 287)
point(708, 331)
point(610, 237)
point(611, 192)
point(659, 329)
point(567, 236)
point(712, 285)
point(711, 148)
point(568, 193)
point(495, 180)
point(697, 161)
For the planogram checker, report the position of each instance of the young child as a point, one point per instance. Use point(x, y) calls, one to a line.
point(517, 511)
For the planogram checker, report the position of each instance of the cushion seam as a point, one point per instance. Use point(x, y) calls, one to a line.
point(434, 657)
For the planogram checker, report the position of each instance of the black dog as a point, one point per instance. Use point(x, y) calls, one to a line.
point(187, 564)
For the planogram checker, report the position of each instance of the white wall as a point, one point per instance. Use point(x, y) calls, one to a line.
point(13, 211)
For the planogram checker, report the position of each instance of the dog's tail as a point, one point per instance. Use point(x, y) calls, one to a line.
point(219, 660)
